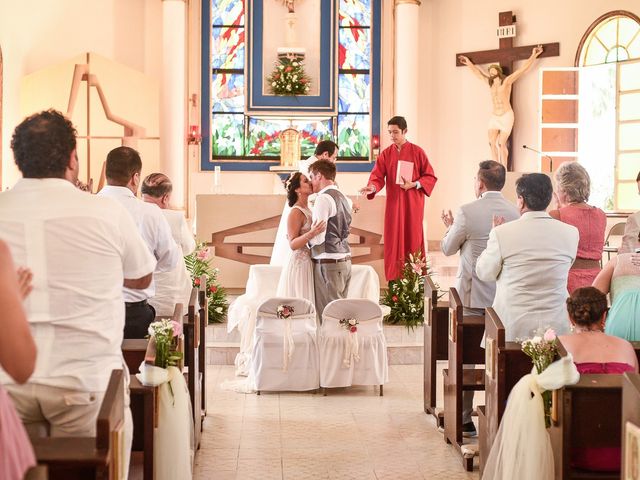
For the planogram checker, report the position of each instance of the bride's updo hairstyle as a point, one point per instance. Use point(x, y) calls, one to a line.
point(291, 185)
point(586, 306)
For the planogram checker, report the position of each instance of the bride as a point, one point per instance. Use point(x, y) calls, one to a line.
point(296, 279)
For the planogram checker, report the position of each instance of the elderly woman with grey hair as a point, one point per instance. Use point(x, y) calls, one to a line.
point(573, 187)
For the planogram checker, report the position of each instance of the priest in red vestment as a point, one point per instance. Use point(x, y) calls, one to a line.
point(406, 190)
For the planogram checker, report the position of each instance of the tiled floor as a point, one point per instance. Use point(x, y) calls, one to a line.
point(350, 434)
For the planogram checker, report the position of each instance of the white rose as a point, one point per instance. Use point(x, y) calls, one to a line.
point(219, 309)
point(288, 87)
point(273, 84)
point(535, 340)
point(352, 321)
point(280, 67)
point(295, 77)
point(295, 64)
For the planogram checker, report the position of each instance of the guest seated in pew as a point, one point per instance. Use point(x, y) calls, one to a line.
point(123, 169)
point(573, 186)
point(621, 277)
point(18, 359)
point(81, 249)
point(593, 350)
point(468, 233)
point(530, 259)
point(172, 287)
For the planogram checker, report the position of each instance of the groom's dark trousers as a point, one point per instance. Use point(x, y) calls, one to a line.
point(331, 279)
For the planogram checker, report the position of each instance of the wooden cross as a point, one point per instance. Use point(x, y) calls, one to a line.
point(506, 55)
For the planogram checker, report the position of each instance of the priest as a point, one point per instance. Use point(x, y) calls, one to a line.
point(405, 170)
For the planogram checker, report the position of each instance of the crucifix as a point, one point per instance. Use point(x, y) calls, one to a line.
point(501, 77)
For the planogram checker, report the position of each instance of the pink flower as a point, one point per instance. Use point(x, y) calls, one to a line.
point(549, 335)
point(353, 329)
point(203, 254)
point(394, 298)
point(177, 328)
point(213, 289)
point(196, 282)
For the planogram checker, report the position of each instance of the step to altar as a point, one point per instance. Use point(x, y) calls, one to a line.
point(404, 347)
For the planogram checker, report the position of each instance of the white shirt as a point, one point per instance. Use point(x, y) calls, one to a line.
point(175, 286)
point(323, 209)
point(80, 248)
point(155, 231)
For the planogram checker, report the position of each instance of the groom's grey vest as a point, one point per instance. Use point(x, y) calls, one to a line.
point(335, 240)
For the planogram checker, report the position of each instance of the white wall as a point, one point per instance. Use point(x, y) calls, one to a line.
point(455, 106)
point(35, 34)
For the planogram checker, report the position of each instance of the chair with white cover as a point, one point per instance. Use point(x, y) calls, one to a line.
point(285, 351)
point(353, 358)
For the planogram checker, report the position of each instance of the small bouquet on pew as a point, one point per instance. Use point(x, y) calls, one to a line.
point(165, 334)
point(199, 263)
point(543, 349)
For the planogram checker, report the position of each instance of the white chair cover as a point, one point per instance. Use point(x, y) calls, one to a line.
point(353, 358)
point(285, 351)
point(522, 448)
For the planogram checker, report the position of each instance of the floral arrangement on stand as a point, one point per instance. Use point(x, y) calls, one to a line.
point(199, 263)
point(165, 333)
point(405, 295)
point(543, 349)
point(288, 78)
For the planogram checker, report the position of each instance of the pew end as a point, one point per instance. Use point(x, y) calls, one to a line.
point(436, 318)
point(630, 424)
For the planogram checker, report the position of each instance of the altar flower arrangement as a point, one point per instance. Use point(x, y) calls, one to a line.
point(350, 324)
point(405, 295)
point(543, 349)
point(289, 78)
point(284, 311)
point(199, 263)
point(166, 333)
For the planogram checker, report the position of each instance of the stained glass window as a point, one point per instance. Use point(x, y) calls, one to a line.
point(236, 135)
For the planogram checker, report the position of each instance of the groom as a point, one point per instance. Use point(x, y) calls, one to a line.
point(330, 250)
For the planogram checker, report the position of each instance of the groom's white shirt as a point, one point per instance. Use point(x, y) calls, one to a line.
point(323, 209)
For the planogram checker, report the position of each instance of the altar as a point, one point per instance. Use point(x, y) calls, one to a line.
point(241, 230)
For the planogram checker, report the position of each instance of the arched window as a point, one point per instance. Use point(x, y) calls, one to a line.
point(243, 141)
point(614, 37)
point(608, 58)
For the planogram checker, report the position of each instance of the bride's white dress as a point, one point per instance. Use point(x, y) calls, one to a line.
point(296, 279)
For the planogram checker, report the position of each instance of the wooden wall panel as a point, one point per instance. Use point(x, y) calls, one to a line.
point(559, 111)
point(559, 140)
point(560, 82)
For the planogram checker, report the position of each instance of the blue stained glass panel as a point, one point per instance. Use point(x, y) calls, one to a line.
point(227, 12)
point(355, 13)
point(353, 92)
point(354, 50)
point(264, 135)
point(228, 92)
point(227, 47)
point(227, 135)
point(354, 135)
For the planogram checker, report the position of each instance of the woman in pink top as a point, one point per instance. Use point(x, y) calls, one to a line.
point(17, 358)
point(572, 192)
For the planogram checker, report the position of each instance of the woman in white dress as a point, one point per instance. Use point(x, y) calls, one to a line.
point(296, 279)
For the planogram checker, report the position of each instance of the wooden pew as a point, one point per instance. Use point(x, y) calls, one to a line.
point(436, 319)
point(203, 297)
point(505, 364)
point(192, 362)
point(630, 419)
point(99, 457)
point(465, 335)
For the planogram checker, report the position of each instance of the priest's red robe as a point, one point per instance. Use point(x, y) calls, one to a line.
point(404, 208)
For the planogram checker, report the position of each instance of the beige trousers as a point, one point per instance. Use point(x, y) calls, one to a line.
point(331, 282)
point(60, 412)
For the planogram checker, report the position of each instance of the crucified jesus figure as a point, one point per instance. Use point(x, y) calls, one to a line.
point(501, 121)
point(290, 4)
